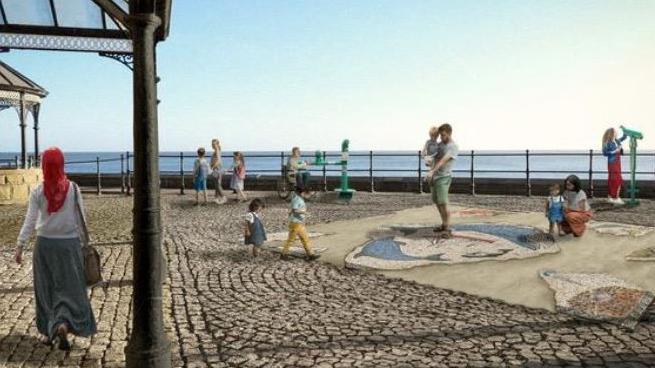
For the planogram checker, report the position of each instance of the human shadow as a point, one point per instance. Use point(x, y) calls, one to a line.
point(27, 351)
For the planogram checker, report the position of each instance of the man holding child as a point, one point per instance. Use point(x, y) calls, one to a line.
point(439, 177)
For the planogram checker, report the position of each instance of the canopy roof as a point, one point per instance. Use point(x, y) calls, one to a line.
point(72, 25)
point(12, 80)
point(17, 89)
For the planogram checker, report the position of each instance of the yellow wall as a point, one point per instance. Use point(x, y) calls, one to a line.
point(16, 184)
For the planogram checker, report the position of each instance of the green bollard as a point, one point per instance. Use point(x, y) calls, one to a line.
point(345, 192)
point(634, 136)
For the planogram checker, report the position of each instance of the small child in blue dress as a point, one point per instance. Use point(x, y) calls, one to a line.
point(200, 172)
point(555, 209)
point(254, 230)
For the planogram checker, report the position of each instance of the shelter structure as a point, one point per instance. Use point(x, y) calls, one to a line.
point(128, 31)
point(19, 92)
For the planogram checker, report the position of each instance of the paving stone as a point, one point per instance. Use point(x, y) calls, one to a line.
point(223, 308)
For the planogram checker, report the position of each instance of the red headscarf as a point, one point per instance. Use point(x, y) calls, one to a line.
point(55, 182)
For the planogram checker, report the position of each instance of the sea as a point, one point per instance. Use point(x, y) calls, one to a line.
point(487, 164)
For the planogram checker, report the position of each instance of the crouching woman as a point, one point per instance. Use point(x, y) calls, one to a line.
point(577, 211)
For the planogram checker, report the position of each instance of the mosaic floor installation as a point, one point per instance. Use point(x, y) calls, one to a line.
point(598, 297)
point(404, 246)
point(275, 240)
point(646, 254)
point(476, 212)
point(611, 228)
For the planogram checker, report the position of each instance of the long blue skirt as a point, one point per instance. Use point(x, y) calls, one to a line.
point(60, 288)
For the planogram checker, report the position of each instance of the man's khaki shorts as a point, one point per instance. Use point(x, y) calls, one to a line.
point(440, 188)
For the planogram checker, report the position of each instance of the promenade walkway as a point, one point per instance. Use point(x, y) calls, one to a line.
point(225, 309)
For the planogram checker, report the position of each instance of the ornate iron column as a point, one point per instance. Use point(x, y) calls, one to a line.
point(35, 116)
point(23, 149)
point(148, 345)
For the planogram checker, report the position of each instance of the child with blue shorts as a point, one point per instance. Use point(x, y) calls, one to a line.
point(555, 209)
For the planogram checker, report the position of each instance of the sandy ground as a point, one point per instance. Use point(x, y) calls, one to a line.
point(513, 281)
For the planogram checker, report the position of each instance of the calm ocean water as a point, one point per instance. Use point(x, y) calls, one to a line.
point(385, 163)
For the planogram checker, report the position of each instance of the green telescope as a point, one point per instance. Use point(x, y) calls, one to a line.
point(632, 133)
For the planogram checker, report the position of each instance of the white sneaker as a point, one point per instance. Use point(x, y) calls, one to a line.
point(611, 200)
point(618, 201)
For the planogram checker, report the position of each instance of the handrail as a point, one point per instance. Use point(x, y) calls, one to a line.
point(369, 167)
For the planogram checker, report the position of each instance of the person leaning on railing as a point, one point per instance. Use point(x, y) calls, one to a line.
point(612, 150)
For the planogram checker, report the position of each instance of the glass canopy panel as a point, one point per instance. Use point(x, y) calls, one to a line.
point(78, 13)
point(111, 24)
point(28, 12)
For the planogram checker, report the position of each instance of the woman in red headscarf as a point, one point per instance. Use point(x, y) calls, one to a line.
point(62, 305)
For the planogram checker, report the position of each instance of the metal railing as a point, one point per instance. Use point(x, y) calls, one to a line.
point(371, 170)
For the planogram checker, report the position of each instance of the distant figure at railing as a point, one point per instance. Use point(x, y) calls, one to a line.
point(612, 150)
point(577, 211)
point(440, 175)
point(297, 169)
point(238, 176)
point(200, 172)
point(216, 165)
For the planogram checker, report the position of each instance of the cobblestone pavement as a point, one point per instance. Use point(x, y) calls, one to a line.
point(226, 309)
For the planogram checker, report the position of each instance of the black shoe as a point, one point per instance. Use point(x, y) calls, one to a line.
point(437, 229)
point(311, 257)
point(61, 340)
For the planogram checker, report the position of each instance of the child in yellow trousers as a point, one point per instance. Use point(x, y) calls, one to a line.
point(297, 226)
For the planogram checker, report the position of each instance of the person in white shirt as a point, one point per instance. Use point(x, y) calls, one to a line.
point(62, 305)
point(577, 211)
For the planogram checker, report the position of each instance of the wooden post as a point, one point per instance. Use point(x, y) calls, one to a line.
point(122, 174)
point(527, 173)
point(370, 172)
point(472, 172)
point(420, 173)
point(98, 185)
point(181, 173)
point(591, 173)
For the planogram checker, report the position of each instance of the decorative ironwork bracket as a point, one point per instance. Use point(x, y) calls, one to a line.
point(126, 59)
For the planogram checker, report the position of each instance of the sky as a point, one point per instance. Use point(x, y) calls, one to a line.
point(269, 75)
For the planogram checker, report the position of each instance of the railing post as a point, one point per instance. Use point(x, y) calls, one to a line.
point(29, 162)
point(181, 173)
point(591, 173)
point(370, 171)
point(420, 173)
point(122, 174)
point(527, 173)
point(98, 185)
point(282, 164)
point(129, 175)
point(16, 160)
point(472, 172)
point(324, 174)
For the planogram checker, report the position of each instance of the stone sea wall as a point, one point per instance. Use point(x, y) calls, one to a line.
point(16, 184)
